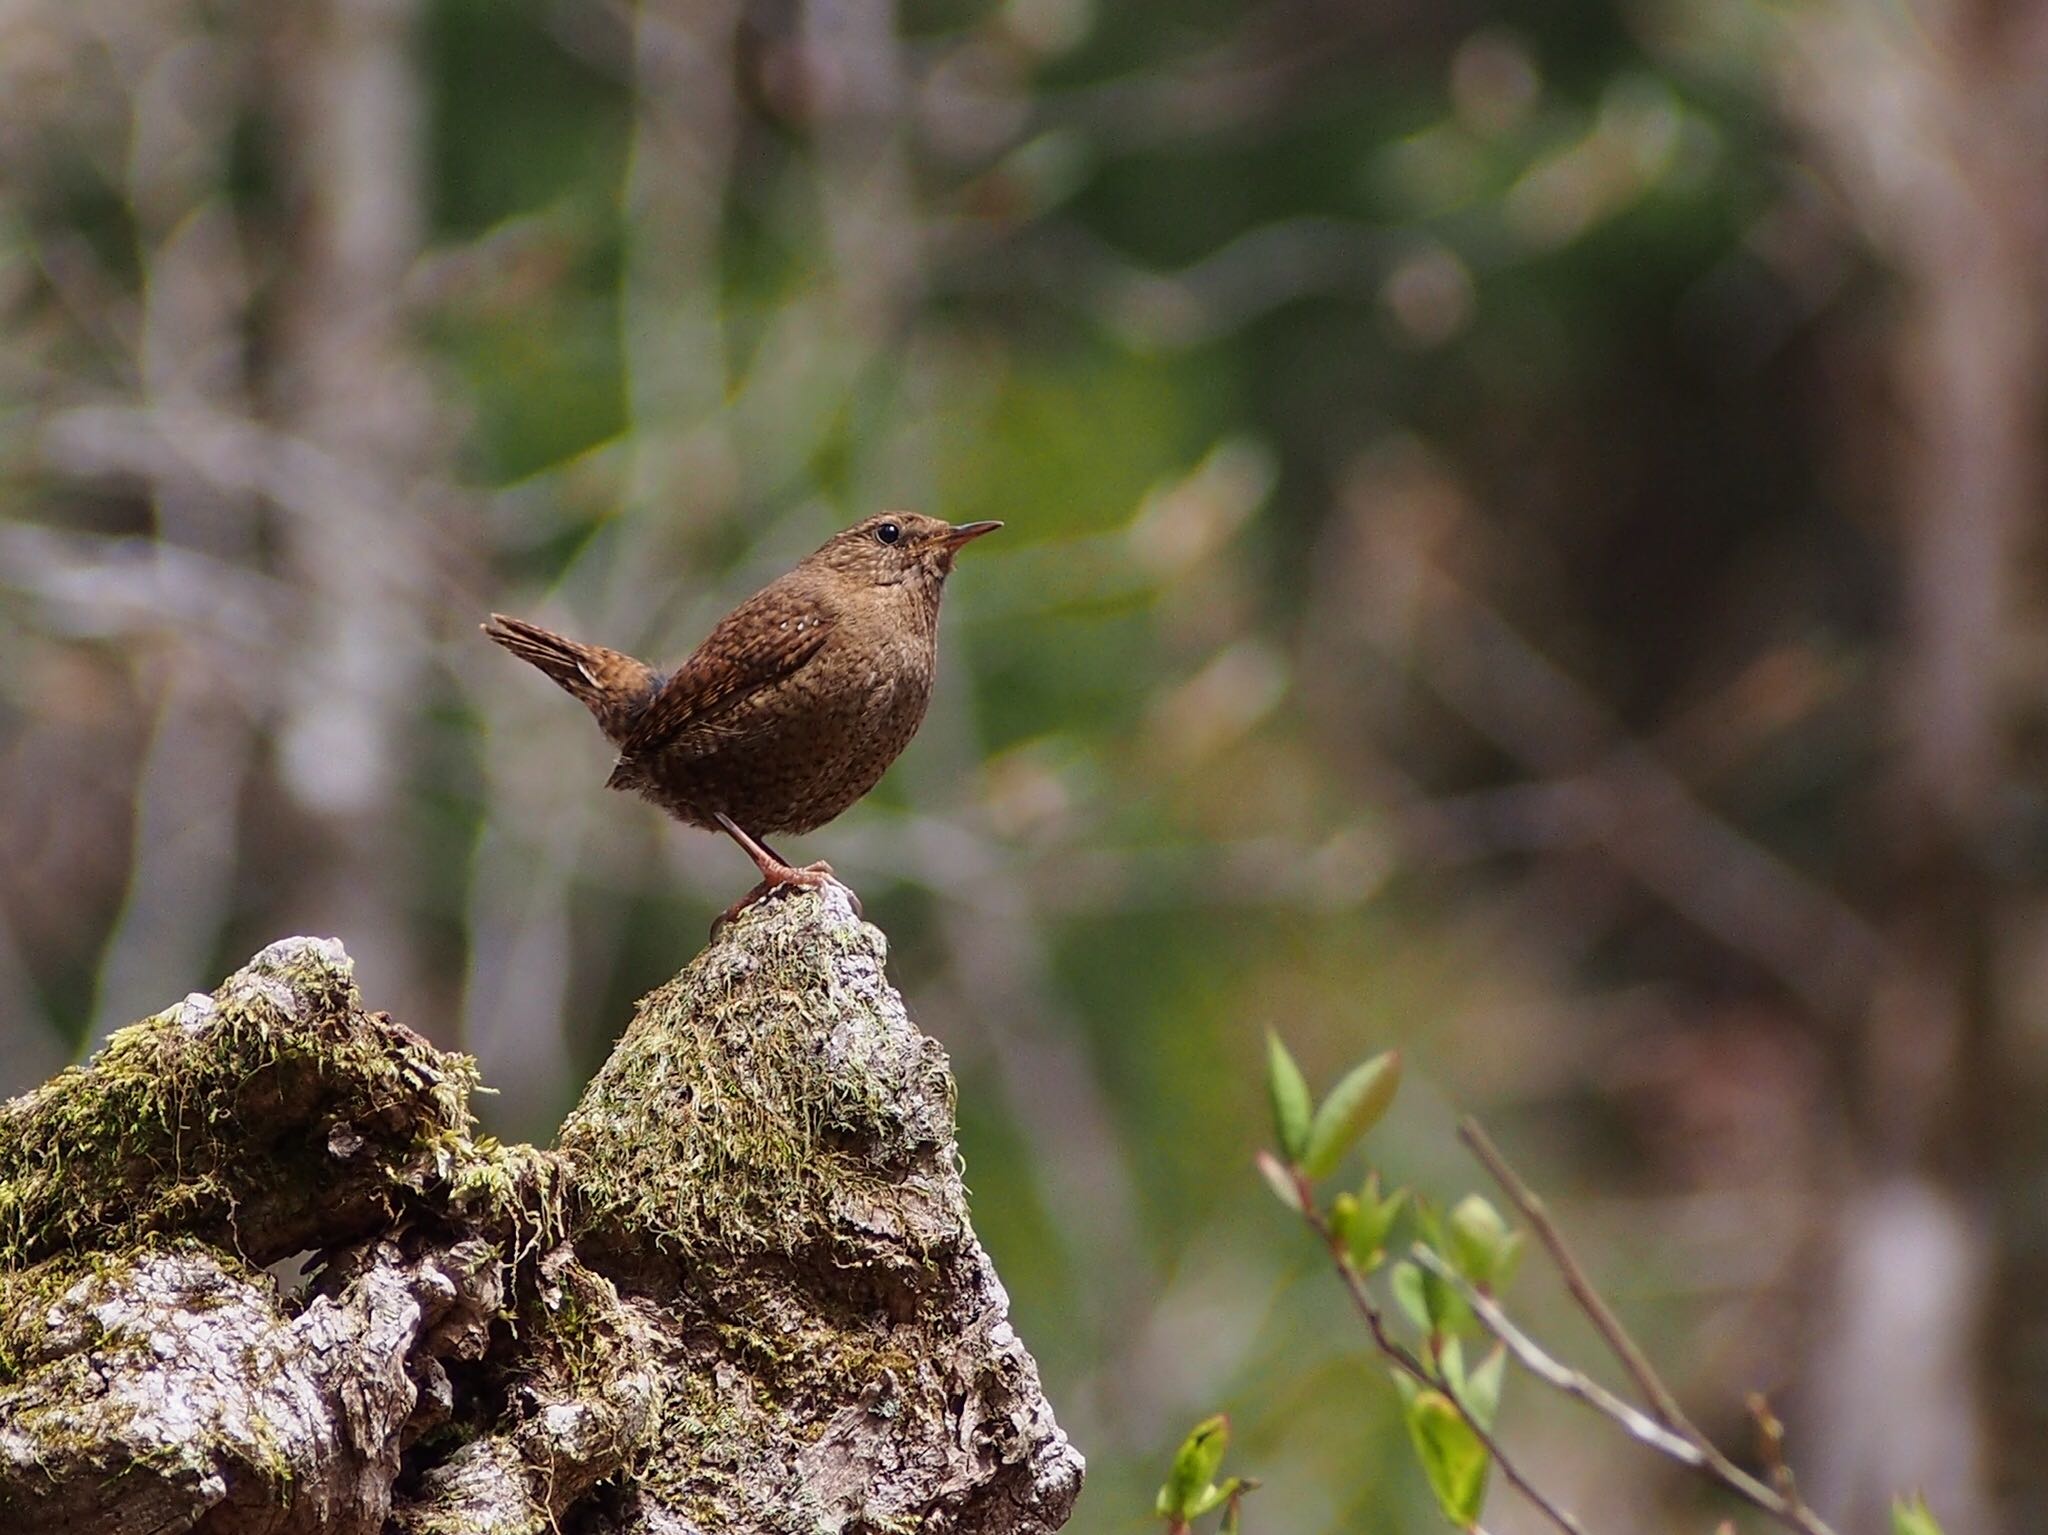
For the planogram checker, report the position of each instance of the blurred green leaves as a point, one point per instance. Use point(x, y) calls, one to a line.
point(1445, 1290)
point(1481, 1244)
point(1431, 1306)
point(1445, 1408)
point(1363, 1221)
point(1316, 1141)
point(1452, 1456)
point(1354, 1106)
point(1292, 1107)
point(1191, 1488)
point(522, 122)
point(1480, 1389)
point(1195, 1463)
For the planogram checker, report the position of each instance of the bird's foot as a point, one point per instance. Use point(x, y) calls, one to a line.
point(779, 881)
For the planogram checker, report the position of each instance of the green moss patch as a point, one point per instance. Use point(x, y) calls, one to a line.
point(744, 1114)
point(274, 1116)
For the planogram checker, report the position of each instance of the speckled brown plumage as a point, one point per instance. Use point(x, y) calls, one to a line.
point(794, 705)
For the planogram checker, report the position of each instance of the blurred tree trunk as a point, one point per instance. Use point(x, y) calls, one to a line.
point(359, 417)
point(1934, 121)
point(191, 367)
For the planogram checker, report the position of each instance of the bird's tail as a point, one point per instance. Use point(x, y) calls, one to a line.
point(609, 683)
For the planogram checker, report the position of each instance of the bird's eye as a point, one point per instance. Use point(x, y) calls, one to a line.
point(888, 532)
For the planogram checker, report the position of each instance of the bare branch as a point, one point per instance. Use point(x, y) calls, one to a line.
point(1604, 1321)
point(1770, 1438)
point(1790, 1509)
point(1684, 1447)
point(1573, 1383)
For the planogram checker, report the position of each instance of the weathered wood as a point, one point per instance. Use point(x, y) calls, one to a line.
point(742, 1294)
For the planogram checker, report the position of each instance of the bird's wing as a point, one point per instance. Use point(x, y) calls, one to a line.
point(763, 641)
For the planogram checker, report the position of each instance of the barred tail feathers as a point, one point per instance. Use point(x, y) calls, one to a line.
point(613, 686)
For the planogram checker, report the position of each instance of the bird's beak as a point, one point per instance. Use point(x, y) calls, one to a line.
point(966, 533)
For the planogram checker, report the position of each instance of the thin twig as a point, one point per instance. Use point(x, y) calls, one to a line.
point(1416, 1371)
point(1409, 1365)
point(1662, 1403)
point(1573, 1383)
point(1610, 1329)
point(1792, 1512)
point(1678, 1445)
point(1770, 1436)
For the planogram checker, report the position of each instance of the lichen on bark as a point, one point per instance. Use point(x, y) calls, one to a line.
point(742, 1293)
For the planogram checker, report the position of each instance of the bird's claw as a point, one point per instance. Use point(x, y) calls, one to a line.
point(811, 876)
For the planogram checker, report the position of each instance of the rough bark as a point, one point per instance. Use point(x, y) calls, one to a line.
point(741, 1293)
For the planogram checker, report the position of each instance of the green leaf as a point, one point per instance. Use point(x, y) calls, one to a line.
point(1911, 1516)
point(1194, 1470)
point(1406, 1280)
point(1354, 1106)
point(1281, 1180)
point(1480, 1390)
point(1510, 1258)
point(1453, 1459)
point(1343, 1217)
point(1450, 1364)
point(1372, 1223)
point(1213, 1497)
point(1447, 1308)
point(1291, 1103)
point(1432, 1305)
point(1481, 1245)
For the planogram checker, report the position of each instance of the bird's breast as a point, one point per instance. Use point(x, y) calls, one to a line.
point(796, 754)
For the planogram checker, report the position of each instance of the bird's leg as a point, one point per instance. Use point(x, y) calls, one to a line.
point(777, 873)
point(775, 869)
point(825, 867)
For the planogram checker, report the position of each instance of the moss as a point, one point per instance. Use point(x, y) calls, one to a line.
point(751, 1236)
point(26, 1296)
point(576, 1332)
point(726, 1121)
point(516, 1192)
point(274, 1116)
point(773, 1124)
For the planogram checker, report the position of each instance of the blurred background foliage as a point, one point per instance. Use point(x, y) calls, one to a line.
point(1521, 546)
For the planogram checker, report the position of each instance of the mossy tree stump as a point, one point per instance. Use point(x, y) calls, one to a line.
point(741, 1293)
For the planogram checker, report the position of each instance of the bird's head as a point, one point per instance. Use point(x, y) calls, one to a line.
point(894, 547)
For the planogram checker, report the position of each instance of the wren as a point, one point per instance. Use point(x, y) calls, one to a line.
point(793, 706)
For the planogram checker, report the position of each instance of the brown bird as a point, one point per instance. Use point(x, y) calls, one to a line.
point(794, 705)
